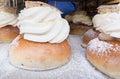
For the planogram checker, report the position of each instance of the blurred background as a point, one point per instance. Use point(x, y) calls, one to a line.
point(90, 6)
point(86, 5)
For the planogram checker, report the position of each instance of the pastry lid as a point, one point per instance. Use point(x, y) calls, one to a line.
point(113, 1)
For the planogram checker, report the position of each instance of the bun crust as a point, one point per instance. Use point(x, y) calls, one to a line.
point(38, 56)
point(105, 55)
point(8, 33)
point(88, 36)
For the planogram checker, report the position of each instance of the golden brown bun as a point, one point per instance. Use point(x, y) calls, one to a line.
point(78, 29)
point(38, 56)
point(8, 33)
point(105, 55)
point(88, 36)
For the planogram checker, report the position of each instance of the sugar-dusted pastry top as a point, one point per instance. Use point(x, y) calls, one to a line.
point(108, 8)
point(7, 16)
point(43, 24)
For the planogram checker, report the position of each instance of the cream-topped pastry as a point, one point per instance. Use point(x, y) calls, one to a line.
point(108, 22)
point(8, 21)
point(104, 51)
point(42, 43)
point(43, 24)
point(79, 22)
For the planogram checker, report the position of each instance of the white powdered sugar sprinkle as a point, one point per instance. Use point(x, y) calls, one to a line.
point(90, 33)
point(99, 47)
point(116, 48)
point(15, 41)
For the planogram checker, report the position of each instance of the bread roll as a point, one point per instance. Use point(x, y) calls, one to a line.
point(8, 33)
point(105, 56)
point(38, 56)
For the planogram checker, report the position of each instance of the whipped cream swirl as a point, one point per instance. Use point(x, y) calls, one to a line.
point(43, 24)
point(7, 18)
point(108, 23)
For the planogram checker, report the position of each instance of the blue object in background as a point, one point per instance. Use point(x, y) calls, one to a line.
point(65, 6)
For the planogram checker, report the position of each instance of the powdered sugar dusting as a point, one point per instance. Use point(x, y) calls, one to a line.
point(98, 46)
point(15, 41)
point(90, 33)
point(116, 48)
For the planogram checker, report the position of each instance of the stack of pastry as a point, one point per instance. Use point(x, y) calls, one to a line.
point(79, 22)
point(104, 51)
point(8, 20)
point(43, 41)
